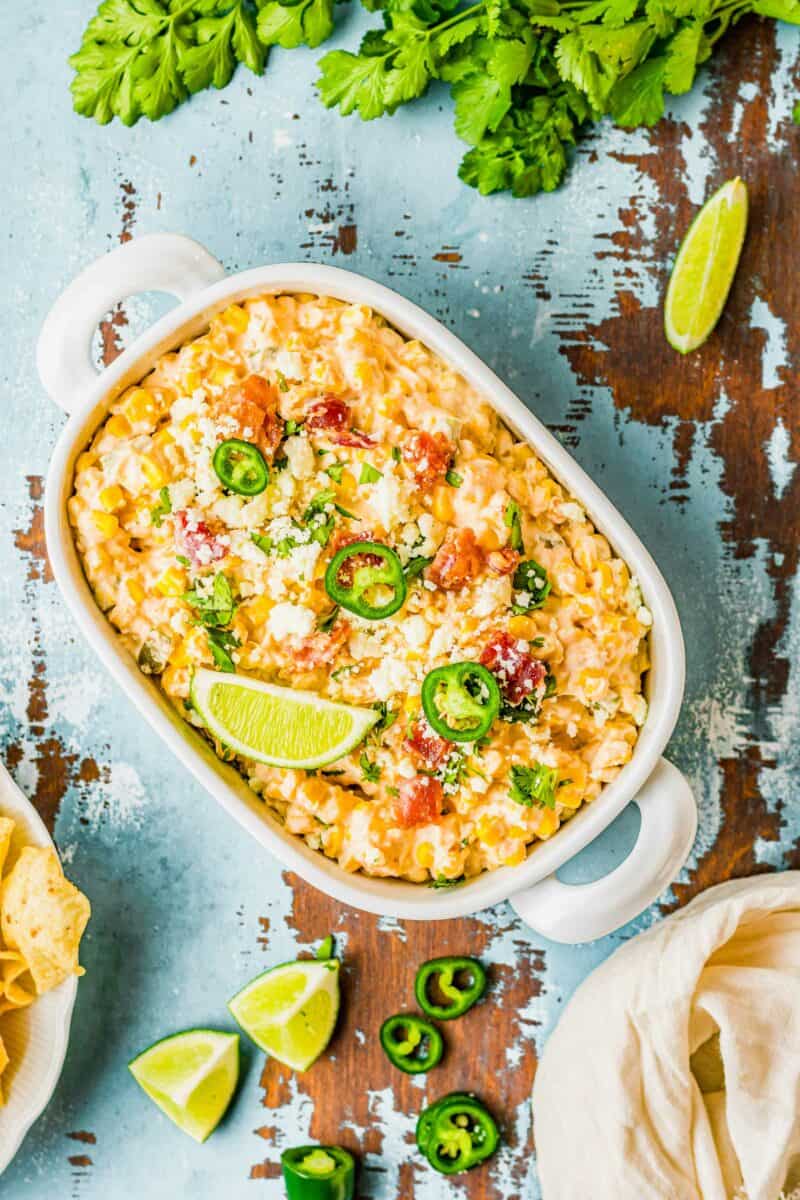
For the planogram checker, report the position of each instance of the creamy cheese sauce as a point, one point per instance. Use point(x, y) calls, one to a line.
point(368, 435)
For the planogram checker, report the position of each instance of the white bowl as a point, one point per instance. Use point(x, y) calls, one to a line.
point(175, 264)
point(35, 1037)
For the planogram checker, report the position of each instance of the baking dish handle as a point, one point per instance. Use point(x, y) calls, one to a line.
point(157, 262)
point(582, 912)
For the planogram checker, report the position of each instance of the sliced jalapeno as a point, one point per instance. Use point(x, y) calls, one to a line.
point(443, 972)
point(457, 1133)
point(411, 1043)
point(530, 586)
point(360, 586)
point(318, 1173)
point(461, 701)
point(240, 467)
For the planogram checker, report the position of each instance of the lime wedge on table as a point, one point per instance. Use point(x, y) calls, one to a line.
point(191, 1076)
point(705, 267)
point(290, 1011)
point(278, 725)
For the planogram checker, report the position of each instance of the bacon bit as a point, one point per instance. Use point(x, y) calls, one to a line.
point(196, 540)
point(503, 562)
point(332, 416)
point(457, 560)
point(318, 649)
point(518, 672)
point(431, 749)
point(352, 437)
point(251, 408)
point(429, 455)
point(419, 802)
point(327, 414)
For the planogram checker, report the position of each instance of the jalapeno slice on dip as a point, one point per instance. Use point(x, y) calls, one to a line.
point(458, 998)
point(457, 1133)
point(360, 586)
point(240, 467)
point(318, 1173)
point(411, 1043)
point(461, 700)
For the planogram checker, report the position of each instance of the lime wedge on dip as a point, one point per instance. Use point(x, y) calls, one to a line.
point(705, 267)
point(290, 1011)
point(278, 725)
point(191, 1076)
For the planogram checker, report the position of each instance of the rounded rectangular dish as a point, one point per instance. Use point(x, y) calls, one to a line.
point(174, 264)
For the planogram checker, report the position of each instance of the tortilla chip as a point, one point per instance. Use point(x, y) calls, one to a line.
point(3, 1065)
point(6, 830)
point(43, 916)
point(13, 992)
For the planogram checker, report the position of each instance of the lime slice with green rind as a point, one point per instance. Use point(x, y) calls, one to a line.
point(282, 726)
point(705, 267)
point(290, 1012)
point(191, 1076)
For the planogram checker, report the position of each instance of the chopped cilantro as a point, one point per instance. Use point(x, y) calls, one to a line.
point(183, 560)
point(291, 427)
point(415, 566)
point(396, 455)
point(284, 387)
point(336, 470)
point(534, 785)
point(325, 624)
point(369, 474)
point(387, 718)
point(369, 769)
point(216, 607)
point(162, 509)
point(453, 478)
point(220, 641)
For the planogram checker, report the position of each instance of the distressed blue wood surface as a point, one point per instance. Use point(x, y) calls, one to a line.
point(262, 173)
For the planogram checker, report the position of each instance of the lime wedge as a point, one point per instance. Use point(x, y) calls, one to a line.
point(191, 1076)
point(278, 725)
point(705, 267)
point(290, 1011)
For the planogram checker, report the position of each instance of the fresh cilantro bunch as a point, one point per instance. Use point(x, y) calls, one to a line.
point(525, 75)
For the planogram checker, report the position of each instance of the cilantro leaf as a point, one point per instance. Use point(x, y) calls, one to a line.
point(141, 58)
point(534, 785)
point(369, 769)
point(162, 509)
point(369, 474)
point(220, 641)
point(638, 99)
point(214, 607)
point(307, 23)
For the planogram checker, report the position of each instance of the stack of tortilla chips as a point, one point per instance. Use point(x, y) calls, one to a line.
point(42, 919)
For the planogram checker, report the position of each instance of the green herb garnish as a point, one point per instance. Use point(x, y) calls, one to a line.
point(162, 509)
point(453, 478)
point(213, 608)
point(369, 474)
point(369, 769)
point(513, 522)
point(534, 785)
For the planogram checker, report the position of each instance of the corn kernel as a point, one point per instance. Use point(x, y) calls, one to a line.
point(152, 471)
point(181, 655)
point(236, 318)
point(487, 831)
point(517, 832)
point(135, 590)
point(163, 438)
point(548, 823)
point(606, 579)
point(172, 582)
point(523, 627)
point(118, 426)
point(516, 857)
point(222, 374)
point(140, 406)
point(98, 559)
point(107, 523)
point(112, 497)
point(442, 503)
point(424, 854)
point(191, 381)
point(348, 485)
point(258, 610)
point(490, 539)
point(593, 683)
point(333, 842)
point(363, 371)
point(85, 461)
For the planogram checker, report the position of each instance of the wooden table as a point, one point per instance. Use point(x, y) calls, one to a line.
point(560, 294)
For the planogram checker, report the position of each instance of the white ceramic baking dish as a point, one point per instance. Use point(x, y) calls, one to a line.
point(179, 266)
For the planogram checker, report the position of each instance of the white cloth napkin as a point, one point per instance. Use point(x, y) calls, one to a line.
point(674, 1072)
